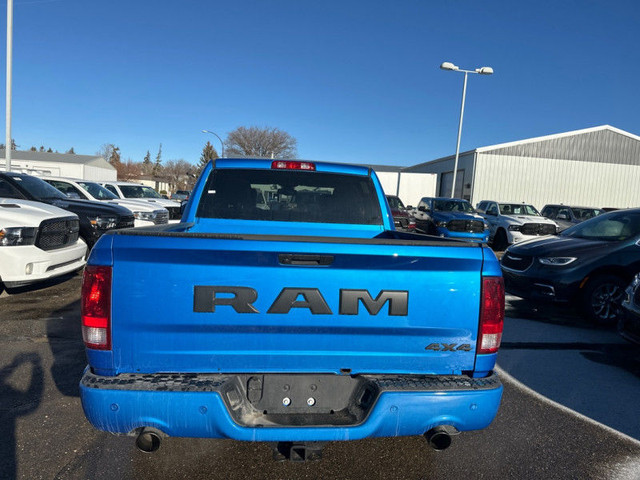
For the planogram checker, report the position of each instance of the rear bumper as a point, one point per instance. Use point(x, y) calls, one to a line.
point(201, 406)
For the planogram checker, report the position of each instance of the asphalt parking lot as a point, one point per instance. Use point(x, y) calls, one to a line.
point(569, 410)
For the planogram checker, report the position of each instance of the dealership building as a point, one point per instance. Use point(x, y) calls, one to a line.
point(84, 167)
point(597, 167)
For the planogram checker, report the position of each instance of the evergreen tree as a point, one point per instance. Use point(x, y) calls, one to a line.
point(13, 145)
point(33, 149)
point(49, 151)
point(208, 153)
point(157, 168)
point(114, 158)
point(147, 165)
point(71, 151)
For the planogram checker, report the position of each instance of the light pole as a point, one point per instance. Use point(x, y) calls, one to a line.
point(221, 142)
point(455, 68)
point(8, 143)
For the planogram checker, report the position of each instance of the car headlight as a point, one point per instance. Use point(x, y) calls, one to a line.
point(145, 215)
point(104, 222)
point(557, 261)
point(485, 225)
point(515, 228)
point(11, 237)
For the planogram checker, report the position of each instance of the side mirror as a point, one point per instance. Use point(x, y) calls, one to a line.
point(409, 207)
point(422, 208)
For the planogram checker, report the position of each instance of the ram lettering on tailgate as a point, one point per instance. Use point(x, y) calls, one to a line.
point(241, 299)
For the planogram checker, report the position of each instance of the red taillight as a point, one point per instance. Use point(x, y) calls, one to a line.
point(292, 165)
point(96, 307)
point(491, 315)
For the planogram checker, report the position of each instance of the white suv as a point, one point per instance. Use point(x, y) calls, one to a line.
point(145, 213)
point(37, 242)
point(137, 191)
point(513, 223)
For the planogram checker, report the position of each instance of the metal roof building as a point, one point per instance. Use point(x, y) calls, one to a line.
point(597, 166)
point(85, 167)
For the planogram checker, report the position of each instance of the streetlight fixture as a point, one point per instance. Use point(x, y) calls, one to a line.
point(455, 68)
point(221, 142)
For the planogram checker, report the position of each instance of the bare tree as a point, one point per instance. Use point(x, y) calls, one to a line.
point(177, 173)
point(267, 142)
point(105, 151)
point(128, 170)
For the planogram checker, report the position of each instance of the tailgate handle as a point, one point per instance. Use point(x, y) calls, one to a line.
point(311, 260)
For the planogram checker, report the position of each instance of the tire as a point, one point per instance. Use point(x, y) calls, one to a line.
point(602, 299)
point(500, 242)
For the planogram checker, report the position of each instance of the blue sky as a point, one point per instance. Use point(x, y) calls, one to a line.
point(353, 81)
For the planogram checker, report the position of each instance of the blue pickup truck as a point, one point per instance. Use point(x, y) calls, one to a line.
point(451, 217)
point(286, 308)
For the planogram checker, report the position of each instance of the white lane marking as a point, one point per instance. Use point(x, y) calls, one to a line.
point(521, 386)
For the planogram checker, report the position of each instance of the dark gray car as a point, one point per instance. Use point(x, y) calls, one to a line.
point(567, 216)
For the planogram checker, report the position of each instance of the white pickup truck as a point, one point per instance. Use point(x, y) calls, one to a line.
point(511, 223)
point(146, 214)
point(37, 242)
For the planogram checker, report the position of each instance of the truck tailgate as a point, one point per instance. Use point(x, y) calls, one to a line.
point(164, 318)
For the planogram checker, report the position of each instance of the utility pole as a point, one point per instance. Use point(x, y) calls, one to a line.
point(8, 143)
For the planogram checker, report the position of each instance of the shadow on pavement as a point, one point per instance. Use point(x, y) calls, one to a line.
point(547, 312)
point(64, 335)
point(39, 285)
point(17, 402)
point(625, 357)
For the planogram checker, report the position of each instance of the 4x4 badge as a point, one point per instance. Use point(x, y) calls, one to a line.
point(448, 347)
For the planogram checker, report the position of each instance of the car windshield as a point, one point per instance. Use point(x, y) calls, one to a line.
point(38, 188)
point(518, 209)
point(461, 206)
point(395, 203)
point(586, 213)
point(614, 227)
point(138, 191)
point(97, 191)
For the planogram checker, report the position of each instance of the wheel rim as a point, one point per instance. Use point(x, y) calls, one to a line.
point(606, 301)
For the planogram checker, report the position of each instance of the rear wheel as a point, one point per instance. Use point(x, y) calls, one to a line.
point(500, 242)
point(602, 299)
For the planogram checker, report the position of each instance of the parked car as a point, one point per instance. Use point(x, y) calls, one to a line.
point(402, 219)
point(589, 264)
point(95, 217)
point(451, 217)
point(37, 241)
point(137, 191)
point(145, 214)
point(180, 195)
point(629, 324)
point(566, 216)
point(511, 223)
